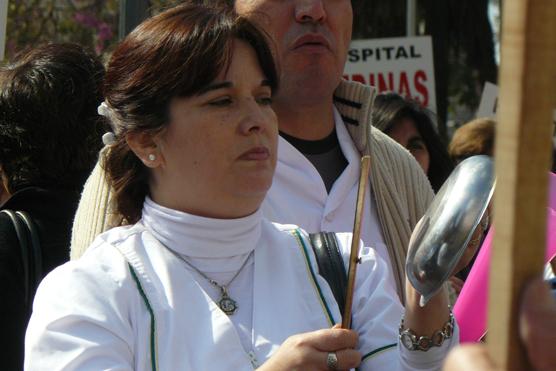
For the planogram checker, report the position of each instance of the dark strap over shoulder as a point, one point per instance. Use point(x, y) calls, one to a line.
point(331, 264)
point(31, 254)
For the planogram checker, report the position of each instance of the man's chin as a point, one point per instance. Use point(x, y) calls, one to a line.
point(307, 61)
point(311, 84)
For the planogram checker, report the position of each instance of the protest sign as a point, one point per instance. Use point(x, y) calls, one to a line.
point(402, 65)
point(489, 102)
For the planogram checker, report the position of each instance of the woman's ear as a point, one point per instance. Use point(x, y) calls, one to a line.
point(144, 147)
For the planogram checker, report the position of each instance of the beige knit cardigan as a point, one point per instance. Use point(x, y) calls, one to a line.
point(400, 187)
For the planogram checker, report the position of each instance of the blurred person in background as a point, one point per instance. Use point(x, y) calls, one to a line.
point(410, 125)
point(49, 139)
point(473, 138)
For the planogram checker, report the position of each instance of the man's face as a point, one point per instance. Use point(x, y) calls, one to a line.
point(311, 40)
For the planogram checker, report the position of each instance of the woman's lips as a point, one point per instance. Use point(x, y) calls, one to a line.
point(256, 154)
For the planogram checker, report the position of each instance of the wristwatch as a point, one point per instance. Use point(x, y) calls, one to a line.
point(411, 341)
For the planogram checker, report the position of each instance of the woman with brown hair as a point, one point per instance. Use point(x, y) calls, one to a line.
point(199, 280)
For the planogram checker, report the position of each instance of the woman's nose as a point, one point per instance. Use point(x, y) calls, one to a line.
point(254, 120)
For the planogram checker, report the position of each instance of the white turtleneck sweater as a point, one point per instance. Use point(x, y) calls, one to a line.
point(216, 247)
point(130, 304)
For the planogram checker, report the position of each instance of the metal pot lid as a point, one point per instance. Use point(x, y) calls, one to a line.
point(441, 236)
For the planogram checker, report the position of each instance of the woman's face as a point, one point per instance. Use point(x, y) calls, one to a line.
point(216, 158)
point(405, 132)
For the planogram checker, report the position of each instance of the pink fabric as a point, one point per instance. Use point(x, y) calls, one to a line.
point(552, 191)
point(471, 307)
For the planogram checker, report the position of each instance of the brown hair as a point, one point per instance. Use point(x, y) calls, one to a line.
point(49, 127)
point(174, 54)
point(474, 138)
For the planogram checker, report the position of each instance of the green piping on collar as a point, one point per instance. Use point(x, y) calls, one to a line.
point(150, 309)
point(323, 302)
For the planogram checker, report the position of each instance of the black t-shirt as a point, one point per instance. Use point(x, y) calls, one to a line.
point(325, 154)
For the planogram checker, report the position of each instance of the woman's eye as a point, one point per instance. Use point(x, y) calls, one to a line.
point(416, 145)
point(265, 101)
point(222, 102)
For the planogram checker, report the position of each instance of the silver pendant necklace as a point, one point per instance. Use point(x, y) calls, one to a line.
point(226, 303)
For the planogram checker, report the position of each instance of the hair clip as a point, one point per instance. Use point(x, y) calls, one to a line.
point(103, 109)
point(108, 138)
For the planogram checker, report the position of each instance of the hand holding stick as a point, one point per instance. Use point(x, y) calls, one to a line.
point(354, 255)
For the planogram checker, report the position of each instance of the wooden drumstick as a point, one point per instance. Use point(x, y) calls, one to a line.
point(354, 255)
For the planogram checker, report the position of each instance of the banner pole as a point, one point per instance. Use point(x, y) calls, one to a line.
point(522, 161)
point(3, 27)
point(411, 15)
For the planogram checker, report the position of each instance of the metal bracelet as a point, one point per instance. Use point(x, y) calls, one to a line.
point(411, 341)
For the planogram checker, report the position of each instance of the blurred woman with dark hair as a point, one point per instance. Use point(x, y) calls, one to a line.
point(199, 280)
point(49, 140)
point(409, 124)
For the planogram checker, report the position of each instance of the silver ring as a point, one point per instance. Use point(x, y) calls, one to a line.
point(332, 361)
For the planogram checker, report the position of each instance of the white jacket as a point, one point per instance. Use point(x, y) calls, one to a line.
point(129, 304)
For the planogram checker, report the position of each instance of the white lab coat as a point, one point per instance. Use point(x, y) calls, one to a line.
point(129, 304)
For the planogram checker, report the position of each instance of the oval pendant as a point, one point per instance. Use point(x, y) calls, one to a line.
point(228, 305)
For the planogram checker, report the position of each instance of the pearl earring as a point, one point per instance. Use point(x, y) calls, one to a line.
point(152, 157)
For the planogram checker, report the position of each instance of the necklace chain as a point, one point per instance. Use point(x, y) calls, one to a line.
point(227, 304)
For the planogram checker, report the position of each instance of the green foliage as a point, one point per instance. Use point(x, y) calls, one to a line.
point(92, 23)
